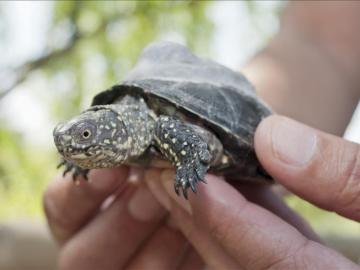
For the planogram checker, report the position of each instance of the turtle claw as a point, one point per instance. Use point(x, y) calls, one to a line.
point(176, 188)
point(193, 185)
point(75, 170)
point(61, 163)
point(185, 194)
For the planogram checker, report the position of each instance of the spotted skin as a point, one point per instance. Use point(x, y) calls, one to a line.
point(109, 135)
point(185, 149)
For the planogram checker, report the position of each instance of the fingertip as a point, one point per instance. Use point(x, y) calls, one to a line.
point(102, 179)
point(262, 139)
point(152, 179)
point(284, 146)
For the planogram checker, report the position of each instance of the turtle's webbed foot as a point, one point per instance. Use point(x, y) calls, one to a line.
point(186, 150)
point(75, 170)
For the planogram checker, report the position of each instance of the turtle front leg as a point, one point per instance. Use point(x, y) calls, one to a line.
point(75, 170)
point(185, 149)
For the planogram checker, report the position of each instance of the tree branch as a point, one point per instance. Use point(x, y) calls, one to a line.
point(22, 72)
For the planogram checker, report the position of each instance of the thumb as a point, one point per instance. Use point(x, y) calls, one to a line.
point(319, 167)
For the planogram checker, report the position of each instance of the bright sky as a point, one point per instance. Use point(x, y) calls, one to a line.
point(28, 22)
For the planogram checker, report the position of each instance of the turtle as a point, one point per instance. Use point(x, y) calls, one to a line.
point(175, 106)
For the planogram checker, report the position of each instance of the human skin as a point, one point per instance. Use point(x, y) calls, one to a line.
point(307, 73)
point(310, 70)
point(221, 227)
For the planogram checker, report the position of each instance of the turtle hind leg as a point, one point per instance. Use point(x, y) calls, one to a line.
point(75, 170)
point(185, 149)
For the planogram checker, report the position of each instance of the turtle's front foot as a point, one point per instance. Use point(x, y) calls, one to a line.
point(186, 150)
point(188, 174)
point(75, 170)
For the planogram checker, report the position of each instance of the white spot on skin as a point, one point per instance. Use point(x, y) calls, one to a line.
point(67, 137)
point(106, 141)
point(79, 156)
point(174, 129)
point(185, 143)
point(166, 135)
point(171, 125)
point(183, 152)
point(224, 159)
point(174, 140)
point(165, 146)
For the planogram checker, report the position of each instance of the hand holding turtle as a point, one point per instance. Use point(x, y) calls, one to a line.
point(231, 232)
point(225, 228)
point(110, 223)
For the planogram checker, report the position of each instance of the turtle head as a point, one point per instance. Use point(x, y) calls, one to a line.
point(97, 138)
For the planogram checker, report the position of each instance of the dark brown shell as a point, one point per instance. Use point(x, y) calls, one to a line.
point(223, 100)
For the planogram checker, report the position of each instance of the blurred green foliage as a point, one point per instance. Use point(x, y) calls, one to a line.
point(323, 222)
point(24, 172)
point(90, 45)
point(108, 36)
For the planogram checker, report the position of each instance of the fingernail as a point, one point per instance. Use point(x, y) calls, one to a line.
point(167, 178)
point(135, 175)
point(143, 206)
point(293, 143)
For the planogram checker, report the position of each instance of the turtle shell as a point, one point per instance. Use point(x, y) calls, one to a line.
point(172, 80)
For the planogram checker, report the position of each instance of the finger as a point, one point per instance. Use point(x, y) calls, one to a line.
point(256, 238)
point(113, 236)
point(265, 197)
point(68, 206)
point(163, 250)
point(212, 254)
point(319, 167)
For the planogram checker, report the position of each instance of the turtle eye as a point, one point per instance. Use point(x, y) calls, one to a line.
point(86, 133)
point(83, 132)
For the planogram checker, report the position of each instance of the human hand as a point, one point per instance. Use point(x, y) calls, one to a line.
point(131, 232)
point(230, 231)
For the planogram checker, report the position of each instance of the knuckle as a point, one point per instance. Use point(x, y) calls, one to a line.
point(59, 221)
point(220, 229)
point(71, 256)
point(284, 258)
point(300, 258)
point(225, 228)
point(48, 200)
point(348, 192)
